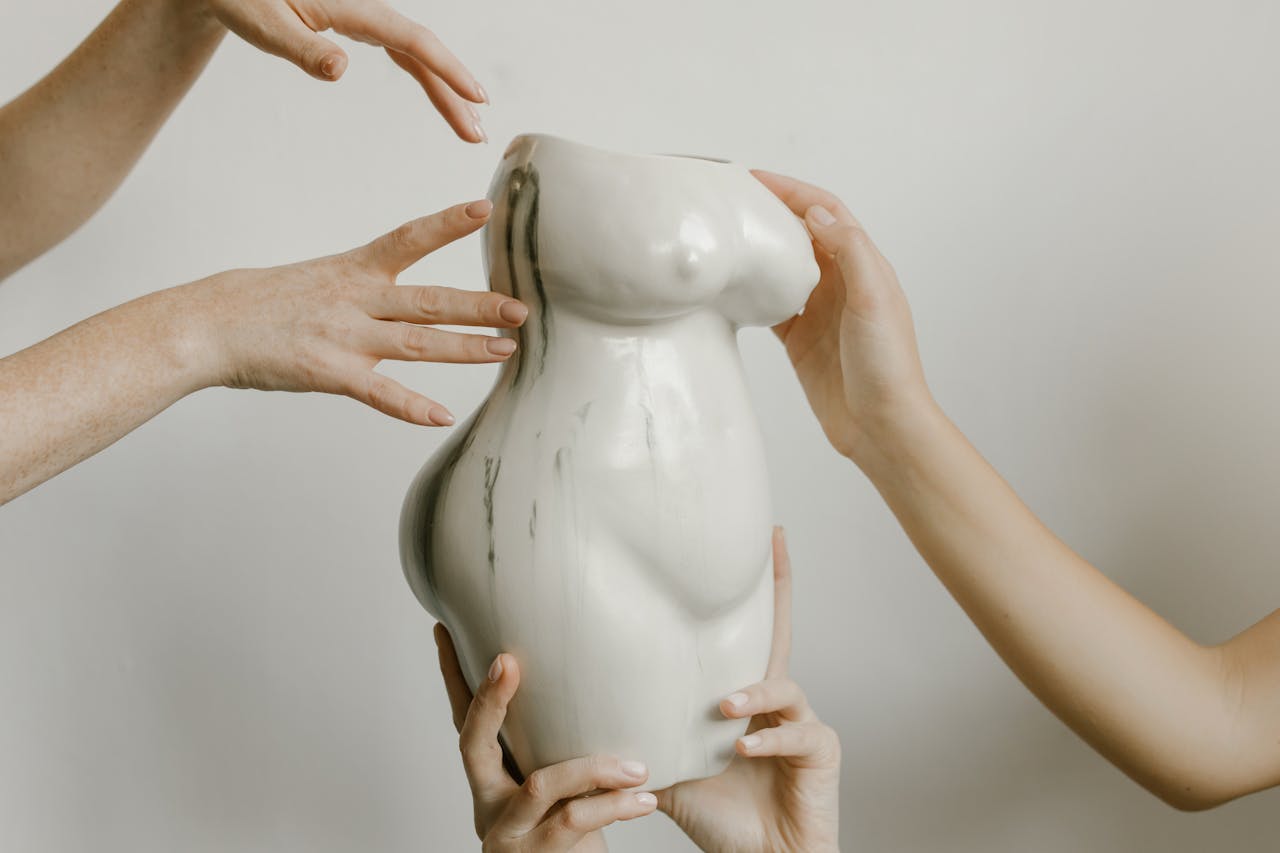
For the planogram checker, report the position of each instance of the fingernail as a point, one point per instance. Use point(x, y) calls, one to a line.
point(750, 742)
point(328, 66)
point(633, 769)
point(440, 416)
point(736, 700)
point(513, 312)
point(500, 346)
point(475, 125)
point(646, 799)
point(495, 669)
point(484, 96)
point(821, 215)
point(479, 209)
point(475, 114)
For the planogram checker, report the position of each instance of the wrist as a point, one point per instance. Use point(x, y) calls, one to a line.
point(195, 17)
point(185, 336)
point(893, 432)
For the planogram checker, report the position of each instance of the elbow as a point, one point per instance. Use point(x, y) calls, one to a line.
point(1186, 798)
point(1204, 789)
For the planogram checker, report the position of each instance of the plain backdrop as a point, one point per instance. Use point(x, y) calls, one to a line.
point(206, 643)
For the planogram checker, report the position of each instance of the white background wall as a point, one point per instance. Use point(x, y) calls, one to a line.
point(205, 639)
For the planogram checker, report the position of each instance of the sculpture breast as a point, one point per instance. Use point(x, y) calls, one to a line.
point(604, 515)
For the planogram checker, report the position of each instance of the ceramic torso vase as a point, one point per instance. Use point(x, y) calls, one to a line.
point(604, 516)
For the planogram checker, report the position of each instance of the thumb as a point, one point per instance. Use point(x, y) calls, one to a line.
point(844, 238)
point(829, 231)
point(285, 35)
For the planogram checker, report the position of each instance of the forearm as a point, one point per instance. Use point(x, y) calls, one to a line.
point(68, 141)
point(67, 397)
point(1153, 702)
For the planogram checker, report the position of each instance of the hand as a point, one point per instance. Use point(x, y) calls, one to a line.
point(323, 325)
point(780, 792)
point(558, 807)
point(854, 345)
point(288, 28)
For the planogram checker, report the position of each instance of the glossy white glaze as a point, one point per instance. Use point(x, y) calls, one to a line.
point(605, 515)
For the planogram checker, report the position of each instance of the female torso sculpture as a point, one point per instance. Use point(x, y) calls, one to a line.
point(605, 516)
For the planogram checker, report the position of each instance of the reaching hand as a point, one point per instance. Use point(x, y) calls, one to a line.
point(558, 808)
point(323, 325)
point(854, 345)
point(288, 28)
point(780, 792)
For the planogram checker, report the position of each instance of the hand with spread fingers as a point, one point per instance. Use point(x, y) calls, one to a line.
point(780, 792)
point(321, 325)
point(557, 808)
point(290, 29)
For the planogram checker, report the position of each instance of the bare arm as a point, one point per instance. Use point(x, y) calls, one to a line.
point(68, 141)
point(321, 325)
point(1195, 725)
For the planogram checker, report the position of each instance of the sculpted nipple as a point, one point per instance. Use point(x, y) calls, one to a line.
point(688, 263)
point(694, 248)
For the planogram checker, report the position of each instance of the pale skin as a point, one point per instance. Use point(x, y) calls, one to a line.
point(780, 793)
point(67, 143)
point(1194, 724)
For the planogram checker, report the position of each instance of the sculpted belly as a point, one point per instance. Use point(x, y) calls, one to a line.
point(681, 509)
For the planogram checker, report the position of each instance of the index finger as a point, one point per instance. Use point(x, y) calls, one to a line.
point(780, 653)
point(400, 249)
point(482, 756)
point(799, 196)
point(391, 29)
point(454, 682)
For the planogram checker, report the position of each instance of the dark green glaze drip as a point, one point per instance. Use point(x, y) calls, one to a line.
point(436, 483)
point(491, 468)
point(522, 199)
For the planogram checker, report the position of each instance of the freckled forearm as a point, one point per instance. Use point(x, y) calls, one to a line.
point(69, 396)
point(68, 141)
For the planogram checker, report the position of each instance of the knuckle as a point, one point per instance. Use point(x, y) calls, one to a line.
point(313, 55)
point(486, 307)
point(601, 768)
point(429, 302)
point(793, 692)
point(454, 220)
point(467, 734)
point(537, 786)
point(424, 41)
point(378, 392)
point(405, 237)
point(474, 753)
point(826, 742)
point(575, 816)
point(414, 341)
point(854, 237)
